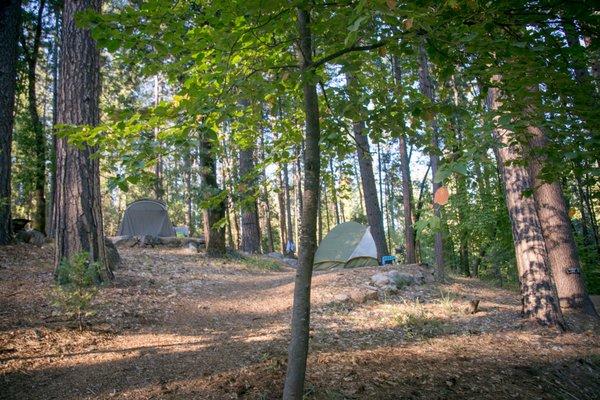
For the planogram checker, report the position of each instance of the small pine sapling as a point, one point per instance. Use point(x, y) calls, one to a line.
point(77, 285)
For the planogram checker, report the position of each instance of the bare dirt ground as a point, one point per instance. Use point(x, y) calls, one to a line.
point(181, 326)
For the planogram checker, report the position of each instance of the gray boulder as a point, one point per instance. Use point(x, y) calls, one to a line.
point(393, 280)
point(380, 279)
point(192, 248)
point(31, 236)
point(275, 255)
point(123, 240)
point(149, 240)
point(292, 262)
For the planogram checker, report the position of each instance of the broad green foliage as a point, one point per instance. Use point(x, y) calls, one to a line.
point(231, 75)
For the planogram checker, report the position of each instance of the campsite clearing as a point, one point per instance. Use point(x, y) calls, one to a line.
point(181, 326)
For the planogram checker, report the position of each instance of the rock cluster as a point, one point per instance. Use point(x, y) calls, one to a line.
point(31, 236)
point(393, 280)
point(291, 262)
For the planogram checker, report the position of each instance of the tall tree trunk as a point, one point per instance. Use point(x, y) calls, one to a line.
point(539, 297)
point(334, 196)
point(367, 177)
point(461, 187)
point(341, 200)
point(79, 225)
point(52, 195)
point(10, 21)
point(298, 349)
point(365, 164)
point(250, 223)
point(389, 216)
point(556, 228)
point(282, 213)
point(320, 220)
point(409, 232)
point(359, 187)
point(589, 237)
point(39, 145)
point(298, 187)
point(266, 201)
point(159, 190)
point(426, 87)
point(325, 201)
point(188, 192)
point(228, 230)
point(214, 234)
point(268, 225)
point(288, 212)
point(407, 200)
point(380, 181)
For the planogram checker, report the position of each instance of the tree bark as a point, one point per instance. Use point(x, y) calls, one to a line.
point(188, 164)
point(407, 200)
point(50, 224)
point(334, 197)
point(79, 225)
point(10, 21)
point(39, 145)
point(426, 87)
point(556, 228)
point(539, 298)
point(298, 349)
point(266, 201)
point(249, 209)
point(282, 213)
point(159, 190)
point(409, 231)
point(461, 188)
point(288, 212)
point(358, 186)
point(212, 215)
point(374, 216)
point(369, 187)
point(298, 187)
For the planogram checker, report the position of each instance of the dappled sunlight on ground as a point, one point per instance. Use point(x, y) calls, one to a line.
point(178, 326)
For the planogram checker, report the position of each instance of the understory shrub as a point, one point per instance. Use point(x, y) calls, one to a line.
point(77, 282)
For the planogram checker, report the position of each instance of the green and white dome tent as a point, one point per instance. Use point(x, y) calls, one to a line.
point(348, 245)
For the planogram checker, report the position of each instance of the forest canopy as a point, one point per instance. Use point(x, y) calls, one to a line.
point(465, 133)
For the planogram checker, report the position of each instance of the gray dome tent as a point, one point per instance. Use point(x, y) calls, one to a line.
point(146, 217)
point(348, 245)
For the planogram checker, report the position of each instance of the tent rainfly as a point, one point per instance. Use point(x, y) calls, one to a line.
point(348, 245)
point(146, 217)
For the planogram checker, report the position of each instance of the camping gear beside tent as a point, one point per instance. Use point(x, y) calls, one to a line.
point(182, 231)
point(348, 245)
point(146, 217)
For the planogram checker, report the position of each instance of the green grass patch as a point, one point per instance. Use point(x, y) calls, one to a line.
point(256, 262)
point(417, 322)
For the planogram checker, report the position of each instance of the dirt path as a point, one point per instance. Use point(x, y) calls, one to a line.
point(178, 326)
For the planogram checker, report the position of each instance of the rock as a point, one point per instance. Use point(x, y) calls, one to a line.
point(192, 248)
point(123, 240)
point(31, 236)
point(402, 279)
point(149, 240)
point(165, 241)
point(292, 262)
point(389, 289)
point(380, 279)
point(364, 296)
point(275, 255)
point(199, 241)
point(342, 298)
point(112, 254)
